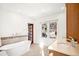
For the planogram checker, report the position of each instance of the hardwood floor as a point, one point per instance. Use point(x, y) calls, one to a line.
point(35, 50)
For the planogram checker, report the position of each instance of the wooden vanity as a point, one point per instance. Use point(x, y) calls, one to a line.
point(63, 49)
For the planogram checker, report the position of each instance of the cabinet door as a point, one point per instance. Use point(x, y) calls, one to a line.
point(73, 20)
point(69, 10)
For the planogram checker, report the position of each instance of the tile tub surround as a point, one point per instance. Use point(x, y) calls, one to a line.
point(13, 39)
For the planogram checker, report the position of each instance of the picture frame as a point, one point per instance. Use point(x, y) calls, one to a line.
point(52, 29)
point(44, 30)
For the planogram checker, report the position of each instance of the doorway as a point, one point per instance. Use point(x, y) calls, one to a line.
point(30, 32)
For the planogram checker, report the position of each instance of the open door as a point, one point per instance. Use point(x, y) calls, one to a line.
point(30, 32)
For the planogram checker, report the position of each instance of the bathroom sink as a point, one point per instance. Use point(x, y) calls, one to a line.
point(66, 45)
point(65, 48)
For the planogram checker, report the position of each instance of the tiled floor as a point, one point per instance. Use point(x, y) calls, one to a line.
point(35, 50)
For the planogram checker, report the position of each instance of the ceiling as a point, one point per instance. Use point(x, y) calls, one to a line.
point(33, 9)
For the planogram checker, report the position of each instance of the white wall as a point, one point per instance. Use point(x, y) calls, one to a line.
point(61, 28)
point(12, 23)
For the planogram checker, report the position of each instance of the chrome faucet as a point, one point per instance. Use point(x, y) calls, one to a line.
point(72, 41)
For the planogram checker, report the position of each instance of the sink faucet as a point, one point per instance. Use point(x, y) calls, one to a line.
point(73, 42)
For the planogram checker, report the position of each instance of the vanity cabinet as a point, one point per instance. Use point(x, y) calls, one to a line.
point(72, 14)
point(56, 53)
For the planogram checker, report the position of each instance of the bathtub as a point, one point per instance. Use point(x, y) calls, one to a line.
point(16, 49)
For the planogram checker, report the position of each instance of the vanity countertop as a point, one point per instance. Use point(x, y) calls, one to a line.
point(65, 48)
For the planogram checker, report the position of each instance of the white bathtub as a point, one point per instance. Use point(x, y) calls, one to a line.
point(16, 49)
